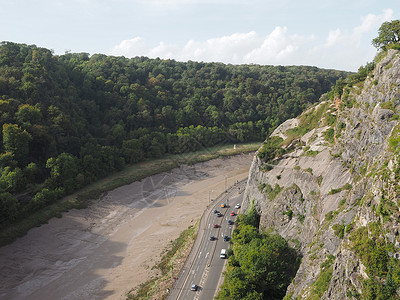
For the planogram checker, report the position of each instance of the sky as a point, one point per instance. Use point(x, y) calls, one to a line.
point(334, 34)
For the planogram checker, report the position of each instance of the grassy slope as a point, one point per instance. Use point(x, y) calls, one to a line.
point(129, 174)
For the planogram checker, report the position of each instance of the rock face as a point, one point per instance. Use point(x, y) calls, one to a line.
point(338, 179)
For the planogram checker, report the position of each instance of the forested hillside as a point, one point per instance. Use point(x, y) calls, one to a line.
point(69, 120)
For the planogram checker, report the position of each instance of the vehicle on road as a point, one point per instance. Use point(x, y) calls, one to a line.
point(233, 213)
point(226, 238)
point(230, 222)
point(212, 238)
point(223, 253)
point(215, 226)
point(237, 205)
point(194, 287)
point(219, 214)
point(223, 205)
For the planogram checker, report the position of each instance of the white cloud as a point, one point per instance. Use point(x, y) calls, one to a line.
point(372, 22)
point(333, 37)
point(344, 48)
point(132, 47)
point(236, 48)
point(277, 47)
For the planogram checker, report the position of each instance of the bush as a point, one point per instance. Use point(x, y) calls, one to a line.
point(45, 197)
point(339, 230)
point(329, 135)
point(288, 213)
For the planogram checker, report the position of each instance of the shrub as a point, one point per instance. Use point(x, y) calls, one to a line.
point(339, 230)
point(334, 191)
point(329, 135)
point(288, 213)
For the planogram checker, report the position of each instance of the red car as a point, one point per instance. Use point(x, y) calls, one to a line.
point(232, 213)
point(215, 225)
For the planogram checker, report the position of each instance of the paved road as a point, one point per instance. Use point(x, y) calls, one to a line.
point(204, 265)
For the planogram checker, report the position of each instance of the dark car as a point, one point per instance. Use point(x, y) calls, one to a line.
point(194, 287)
point(219, 214)
point(226, 238)
point(212, 238)
point(230, 222)
point(215, 211)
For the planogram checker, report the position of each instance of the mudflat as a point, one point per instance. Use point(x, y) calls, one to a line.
point(105, 250)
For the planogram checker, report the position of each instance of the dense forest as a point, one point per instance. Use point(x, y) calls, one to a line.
point(68, 120)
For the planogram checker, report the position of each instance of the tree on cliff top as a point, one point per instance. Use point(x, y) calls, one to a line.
point(389, 33)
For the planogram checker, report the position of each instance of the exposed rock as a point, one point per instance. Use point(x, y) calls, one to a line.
point(327, 186)
point(285, 126)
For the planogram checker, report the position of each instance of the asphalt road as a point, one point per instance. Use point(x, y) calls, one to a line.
point(204, 265)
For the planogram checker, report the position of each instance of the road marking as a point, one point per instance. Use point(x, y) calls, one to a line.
point(211, 255)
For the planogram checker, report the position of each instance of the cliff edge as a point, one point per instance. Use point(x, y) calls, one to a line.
point(327, 181)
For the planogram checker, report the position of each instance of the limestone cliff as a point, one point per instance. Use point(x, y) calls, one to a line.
point(327, 181)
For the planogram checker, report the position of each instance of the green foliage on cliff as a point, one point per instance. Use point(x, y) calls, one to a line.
point(323, 280)
point(261, 265)
point(376, 254)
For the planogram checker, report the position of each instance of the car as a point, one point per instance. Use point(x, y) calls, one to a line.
point(215, 211)
point(212, 238)
point(219, 214)
point(230, 222)
point(223, 205)
point(215, 226)
point(233, 213)
point(237, 205)
point(226, 238)
point(194, 287)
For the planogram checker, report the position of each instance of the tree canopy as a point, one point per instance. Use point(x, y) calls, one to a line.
point(261, 264)
point(68, 120)
point(389, 33)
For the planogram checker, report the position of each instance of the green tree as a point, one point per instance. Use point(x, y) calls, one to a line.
point(29, 114)
point(44, 197)
point(32, 172)
point(13, 179)
point(9, 208)
point(63, 171)
point(389, 33)
point(16, 141)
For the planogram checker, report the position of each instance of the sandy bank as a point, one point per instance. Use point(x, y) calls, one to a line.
point(103, 251)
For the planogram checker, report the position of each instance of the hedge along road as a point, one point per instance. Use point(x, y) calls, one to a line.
point(105, 250)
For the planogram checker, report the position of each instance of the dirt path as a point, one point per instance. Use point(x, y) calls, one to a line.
point(105, 250)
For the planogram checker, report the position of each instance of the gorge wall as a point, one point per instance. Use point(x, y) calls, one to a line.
point(330, 188)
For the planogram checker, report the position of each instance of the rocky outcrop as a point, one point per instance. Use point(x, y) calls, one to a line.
point(337, 179)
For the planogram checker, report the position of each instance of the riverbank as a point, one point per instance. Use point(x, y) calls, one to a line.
point(81, 198)
point(105, 250)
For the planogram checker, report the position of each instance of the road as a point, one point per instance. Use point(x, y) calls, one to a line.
point(204, 265)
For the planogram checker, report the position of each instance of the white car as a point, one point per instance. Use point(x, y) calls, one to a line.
point(237, 205)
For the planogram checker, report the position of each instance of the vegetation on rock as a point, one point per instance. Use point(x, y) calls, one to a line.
point(261, 264)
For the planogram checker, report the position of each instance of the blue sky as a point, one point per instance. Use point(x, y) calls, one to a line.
point(328, 34)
